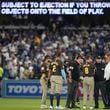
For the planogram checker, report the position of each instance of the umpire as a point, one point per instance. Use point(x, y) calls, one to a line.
point(99, 82)
point(107, 77)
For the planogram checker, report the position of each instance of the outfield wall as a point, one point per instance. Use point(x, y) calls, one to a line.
point(27, 89)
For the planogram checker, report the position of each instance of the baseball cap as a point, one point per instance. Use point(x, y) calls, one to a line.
point(79, 56)
point(98, 57)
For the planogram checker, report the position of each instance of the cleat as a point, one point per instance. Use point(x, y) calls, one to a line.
point(51, 107)
point(91, 108)
point(59, 107)
point(84, 107)
point(43, 106)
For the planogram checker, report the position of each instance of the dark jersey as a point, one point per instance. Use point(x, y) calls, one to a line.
point(74, 67)
point(88, 70)
point(99, 73)
point(55, 68)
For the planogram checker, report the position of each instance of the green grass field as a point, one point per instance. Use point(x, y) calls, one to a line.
point(29, 104)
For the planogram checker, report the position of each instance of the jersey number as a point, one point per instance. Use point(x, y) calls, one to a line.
point(86, 70)
point(54, 68)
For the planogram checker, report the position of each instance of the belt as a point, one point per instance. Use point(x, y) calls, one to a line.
point(88, 76)
point(56, 75)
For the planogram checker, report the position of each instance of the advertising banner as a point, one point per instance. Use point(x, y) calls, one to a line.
point(28, 89)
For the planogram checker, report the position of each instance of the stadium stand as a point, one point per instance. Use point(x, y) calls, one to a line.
point(26, 39)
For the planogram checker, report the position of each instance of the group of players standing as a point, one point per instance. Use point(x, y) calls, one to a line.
point(95, 76)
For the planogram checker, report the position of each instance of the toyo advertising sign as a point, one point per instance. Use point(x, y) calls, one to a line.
point(27, 89)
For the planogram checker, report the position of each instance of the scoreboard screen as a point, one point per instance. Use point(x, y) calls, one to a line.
point(54, 8)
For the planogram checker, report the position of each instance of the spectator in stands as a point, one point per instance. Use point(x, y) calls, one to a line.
point(26, 73)
point(6, 72)
point(31, 71)
point(1, 76)
point(21, 70)
point(13, 71)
